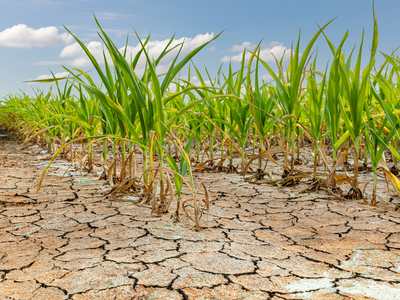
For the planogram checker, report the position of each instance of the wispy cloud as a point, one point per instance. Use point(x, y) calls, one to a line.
point(267, 77)
point(48, 2)
point(48, 62)
point(267, 52)
point(110, 15)
point(22, 36)
point(244, 45)
point(55, 2)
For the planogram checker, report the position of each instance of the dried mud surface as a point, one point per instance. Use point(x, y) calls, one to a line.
point(68, 241)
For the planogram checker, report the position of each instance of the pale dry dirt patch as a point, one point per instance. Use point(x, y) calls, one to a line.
point(69, 241)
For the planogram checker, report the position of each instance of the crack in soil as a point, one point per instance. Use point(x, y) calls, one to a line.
point(68, 241)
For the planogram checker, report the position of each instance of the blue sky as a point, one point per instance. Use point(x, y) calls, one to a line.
point(33, 40)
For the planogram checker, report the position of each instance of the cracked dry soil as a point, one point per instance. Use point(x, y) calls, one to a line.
point(68, 241)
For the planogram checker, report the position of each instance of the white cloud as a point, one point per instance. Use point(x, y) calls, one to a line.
point(267, 77)
point(273, 43)
point(78, 57)
point(244, 45)
point(22, 36)
point(266, 53)
point(48, 76)
point(154, 48)
point(72, 50)
point(110, 15)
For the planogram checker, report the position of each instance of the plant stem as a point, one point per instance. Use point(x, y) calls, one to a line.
point(90, 155)
point(356, 169)
point(231, 150)
point(315, 159)
point(373, 200)
point(123, 156)
point(197, 149)
point(104, 151)
point(222, 146)
point(243, 158)
point(212, 145)
point(145, 163)
point(298, 146)
point(292, 164)
point(115, 157)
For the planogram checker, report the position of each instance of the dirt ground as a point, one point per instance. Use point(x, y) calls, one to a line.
point(69, 241)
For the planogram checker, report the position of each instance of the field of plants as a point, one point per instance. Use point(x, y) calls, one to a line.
point(140, 184)
point(319, 127)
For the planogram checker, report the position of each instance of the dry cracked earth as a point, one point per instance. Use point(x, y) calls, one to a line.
point(68, 241)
